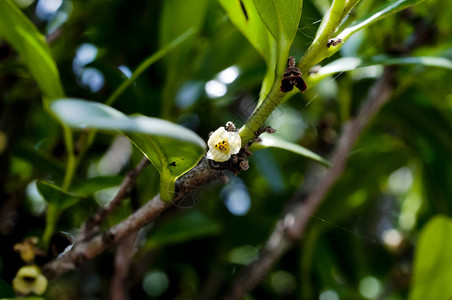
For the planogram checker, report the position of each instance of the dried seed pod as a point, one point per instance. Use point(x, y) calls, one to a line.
point(292, 77)
point(244, 165)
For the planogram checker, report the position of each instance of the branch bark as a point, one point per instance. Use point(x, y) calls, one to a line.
point(83, 251)
point(291, 226)
point(93, 224)
point(124, 253)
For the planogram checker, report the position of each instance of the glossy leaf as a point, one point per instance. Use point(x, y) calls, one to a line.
point(280, 17)
point(189, 226)
point(23, 36)
point(382, 12)
point(244, 16)
point(273, 141)
point(351, 63)
point(171, 148)
point(433, 258)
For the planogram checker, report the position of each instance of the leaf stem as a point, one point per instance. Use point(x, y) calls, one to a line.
point(318, 49)
point(51, 220)
point(315, 53)
point(260, 115)
point(71, 161)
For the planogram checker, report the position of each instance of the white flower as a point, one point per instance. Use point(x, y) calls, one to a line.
point(222, 144)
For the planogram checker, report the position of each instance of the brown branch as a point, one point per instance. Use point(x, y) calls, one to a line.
point(92, 225)
point(292, 225)
point(83, 251)
point(124, 253)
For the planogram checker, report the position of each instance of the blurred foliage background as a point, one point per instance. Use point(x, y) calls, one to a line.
point(360, 244)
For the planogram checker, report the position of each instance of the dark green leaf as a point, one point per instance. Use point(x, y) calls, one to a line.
point(148, 62)
point(17, 30)
point(6, 290)
point(433, 258)
point(184, 228)
point(41, 160)
point(176, 18)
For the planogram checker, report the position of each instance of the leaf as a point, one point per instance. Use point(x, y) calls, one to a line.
point(55, 195)
point(433, 258)
point(351, 63)
point(176, 17)
point(23, 36)
point(41, 160)
point(276, 142)
point(382, 12)
point(58, 200)
point(280, 17)
point(244, 16)
point(171, 148)
point(91, 185)
point(6, 290)
point(181, 229)
point(148, 62)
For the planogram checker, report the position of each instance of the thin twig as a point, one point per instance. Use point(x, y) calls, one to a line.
point(93, 224)
point(292, 225)
point(84, 250)
point(124, 253)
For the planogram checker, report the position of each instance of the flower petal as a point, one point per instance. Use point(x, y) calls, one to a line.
point(235, 143)
point(216, 155)
point(218, 135)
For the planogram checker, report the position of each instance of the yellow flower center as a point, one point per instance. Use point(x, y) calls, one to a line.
point(222, 146)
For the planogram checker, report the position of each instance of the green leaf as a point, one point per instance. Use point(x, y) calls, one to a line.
point(433, 258)
point(244, 16)
point(55, 195)
point(6, 290)
point(189, 226)
point(382, 12)
point(23, 36)
point(148, 62)
point(58, 200)
point(176, 17)
point(171, 148)
point(91, 185)
point(351, 63)
point(41, 160)
point(280, 17)
point(273, 141)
